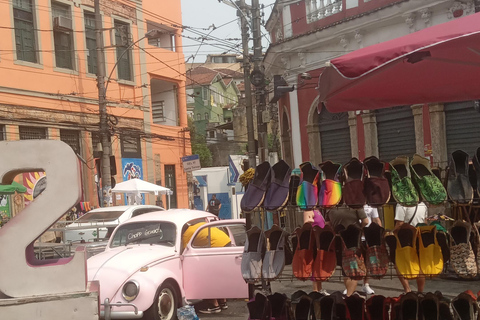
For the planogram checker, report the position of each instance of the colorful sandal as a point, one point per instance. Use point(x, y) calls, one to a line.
point(403, 189)
point(431, 188)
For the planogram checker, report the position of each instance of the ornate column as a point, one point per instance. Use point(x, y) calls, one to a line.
point(418, 122)
point(352, 123)
point(371, 136)
point(439, 135)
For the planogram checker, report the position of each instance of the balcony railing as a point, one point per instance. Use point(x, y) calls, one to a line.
point(319, 9)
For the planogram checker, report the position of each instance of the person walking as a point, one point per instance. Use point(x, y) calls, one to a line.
point(214, 205)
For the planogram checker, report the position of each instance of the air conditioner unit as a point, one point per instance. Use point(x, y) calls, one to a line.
point(62, 23)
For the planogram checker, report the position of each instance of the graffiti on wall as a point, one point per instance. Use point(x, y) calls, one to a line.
point(132, 168)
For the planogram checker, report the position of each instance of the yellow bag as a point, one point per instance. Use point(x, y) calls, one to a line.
point(430, 252)
point(406, 258)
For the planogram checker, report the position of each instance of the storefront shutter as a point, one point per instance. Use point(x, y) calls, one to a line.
point(462, 123)
point(396, 132)
point(335, 137)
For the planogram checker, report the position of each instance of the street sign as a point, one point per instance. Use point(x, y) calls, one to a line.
point(191, 163)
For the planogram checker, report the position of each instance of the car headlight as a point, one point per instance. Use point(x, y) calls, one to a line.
point(130, 290)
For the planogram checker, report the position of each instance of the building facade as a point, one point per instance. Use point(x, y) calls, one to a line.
point(48, 59)
point(308, 33)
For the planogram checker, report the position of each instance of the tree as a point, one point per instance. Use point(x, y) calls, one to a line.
point(199, 145)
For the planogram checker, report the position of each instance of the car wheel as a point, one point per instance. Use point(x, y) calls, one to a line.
point(165, 304)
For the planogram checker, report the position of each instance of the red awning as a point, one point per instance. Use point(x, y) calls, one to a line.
point(436, 64)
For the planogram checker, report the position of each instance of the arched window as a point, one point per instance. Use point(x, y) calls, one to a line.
point(206, 116)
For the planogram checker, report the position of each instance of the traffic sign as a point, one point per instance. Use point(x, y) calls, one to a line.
point(191, 163)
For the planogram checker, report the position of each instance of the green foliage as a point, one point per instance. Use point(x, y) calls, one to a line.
point(274, 144)
point(199, 146)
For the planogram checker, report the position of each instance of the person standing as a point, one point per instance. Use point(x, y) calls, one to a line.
point(413, 216)
point(214, 205)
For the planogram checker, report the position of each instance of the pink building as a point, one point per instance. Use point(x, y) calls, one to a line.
point(48, 88)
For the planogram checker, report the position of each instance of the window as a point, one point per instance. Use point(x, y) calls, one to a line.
point(2, 133)
point(205, 93)
point(91, 42)
point(71, 137)
point(206, 116)
point(31, 133)
point(131, 147)
point(24, 30)
point(199, 116)
point(211, 134)
point(157, 111)
point(122, 36)
point(62, 36)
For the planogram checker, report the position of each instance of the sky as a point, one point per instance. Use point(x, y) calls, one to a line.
point(201, 14)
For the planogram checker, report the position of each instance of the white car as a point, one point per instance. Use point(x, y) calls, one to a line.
point(98, 224)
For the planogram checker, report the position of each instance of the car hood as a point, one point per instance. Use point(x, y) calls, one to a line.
point(115, 266)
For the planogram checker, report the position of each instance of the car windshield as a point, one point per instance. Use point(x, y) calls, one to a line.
point(150, 232)
point(100, 216)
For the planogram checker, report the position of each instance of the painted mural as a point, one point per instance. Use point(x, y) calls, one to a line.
point(132, 168)
point(35, 182)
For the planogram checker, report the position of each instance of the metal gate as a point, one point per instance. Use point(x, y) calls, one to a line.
point(462, 123)
point(335, 136)
point(396, 132)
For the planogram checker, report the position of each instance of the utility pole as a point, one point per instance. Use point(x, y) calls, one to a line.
point(260, 96)
point(248, 87)
point(106, 199)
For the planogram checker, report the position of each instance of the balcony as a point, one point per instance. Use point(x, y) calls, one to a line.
point(320, 9)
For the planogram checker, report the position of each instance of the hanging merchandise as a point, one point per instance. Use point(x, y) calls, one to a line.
point(330, 192)
point(376, 256)
point(301, 305)
point(377, 308)
point(257, 188)
point(376, 187)
point(430, 252)
point(459, 189)
point(403, 189)
point(307, 192)
point(325, 260)
point(431, 188)
point(462, 257)
point(353, 264)
point(406, 258)
point(352, 191)
point(277, 194)
point(278, 253)
point(253, 254)
point(303, 257)
point(356, 307)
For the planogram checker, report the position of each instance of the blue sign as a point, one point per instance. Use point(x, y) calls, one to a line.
point(191, 163)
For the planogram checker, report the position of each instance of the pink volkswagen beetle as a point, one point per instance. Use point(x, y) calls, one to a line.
point(147, 271)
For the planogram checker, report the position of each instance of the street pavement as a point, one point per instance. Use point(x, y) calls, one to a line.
point(388, 286)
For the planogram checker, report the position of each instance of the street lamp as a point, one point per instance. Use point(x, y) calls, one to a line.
point(102, 101)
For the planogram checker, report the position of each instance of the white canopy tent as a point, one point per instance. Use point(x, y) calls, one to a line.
point(137, 186)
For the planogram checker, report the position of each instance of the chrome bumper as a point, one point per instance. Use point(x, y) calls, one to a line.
point(108, 314)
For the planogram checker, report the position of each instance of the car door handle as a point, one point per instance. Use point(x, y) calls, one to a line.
point(238, 257)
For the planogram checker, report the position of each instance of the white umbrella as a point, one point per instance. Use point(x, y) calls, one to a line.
point(138, 186)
